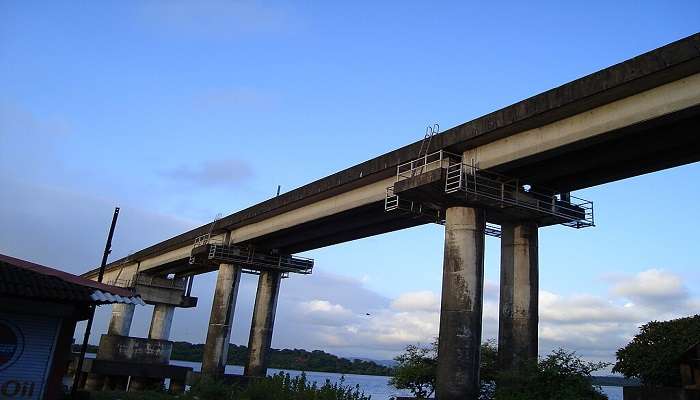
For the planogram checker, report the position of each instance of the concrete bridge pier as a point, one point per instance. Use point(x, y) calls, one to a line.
point(161, 321)
point(260, 338)
point(462, 304)
point(119, 324)
point(518, 316)
point(122, 315)
point(220, 321)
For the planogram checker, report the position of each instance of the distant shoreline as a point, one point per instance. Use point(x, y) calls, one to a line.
point(614, 381)
point(189, 352)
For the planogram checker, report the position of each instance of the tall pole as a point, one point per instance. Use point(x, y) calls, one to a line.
point(88, 328)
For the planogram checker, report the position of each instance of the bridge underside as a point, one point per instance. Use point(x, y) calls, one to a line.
point(664, 142)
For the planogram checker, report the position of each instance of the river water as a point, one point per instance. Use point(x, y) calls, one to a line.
point(376, 386)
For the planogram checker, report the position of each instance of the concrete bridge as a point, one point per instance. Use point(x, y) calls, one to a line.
point(506, 174)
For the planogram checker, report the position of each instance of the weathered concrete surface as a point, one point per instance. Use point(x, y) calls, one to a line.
point(220, 320)
point(122, 315)
point(161, 321)
point(94, 382)
point(263, 322)
point(654, 103)
point(133, 349)
point(462, 305)
point(163, 291)
point(134, 368)
point(518, 317)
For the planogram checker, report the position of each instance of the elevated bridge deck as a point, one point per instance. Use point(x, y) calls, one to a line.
point(635, 117)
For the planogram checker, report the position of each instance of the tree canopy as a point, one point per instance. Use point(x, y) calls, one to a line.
point(561, 375)
point(653, 354)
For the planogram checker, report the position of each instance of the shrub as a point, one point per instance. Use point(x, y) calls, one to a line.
point(561, 375)
point(653, 354)
point(284, 387)
point(207, 388)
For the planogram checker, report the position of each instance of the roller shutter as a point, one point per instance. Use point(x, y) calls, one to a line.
point(26, 349)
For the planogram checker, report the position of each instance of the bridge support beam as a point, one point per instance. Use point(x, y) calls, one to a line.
point(459, 342)
point(220, 321)
point(518, 316)
point(260, 338)
point(122, 314)
point(161, 321)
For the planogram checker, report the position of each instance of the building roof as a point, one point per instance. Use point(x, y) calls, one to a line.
point(24, 279)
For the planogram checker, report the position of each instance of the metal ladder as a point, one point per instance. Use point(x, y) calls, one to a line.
point(206, 241)
point(430, 131)
point(454, 178)
point(391, 201)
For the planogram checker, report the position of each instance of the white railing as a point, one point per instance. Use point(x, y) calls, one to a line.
point(489, 187)
point(506, 191)
point(429, 162)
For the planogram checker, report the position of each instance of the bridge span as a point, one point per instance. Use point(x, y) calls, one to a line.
point(506, 174)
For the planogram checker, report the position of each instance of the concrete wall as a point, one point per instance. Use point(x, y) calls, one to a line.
point(125, 348)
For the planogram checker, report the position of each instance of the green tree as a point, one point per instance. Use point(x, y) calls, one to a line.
point(561, 375)
point(417, 367)
point(416, 370)
point(652, 355)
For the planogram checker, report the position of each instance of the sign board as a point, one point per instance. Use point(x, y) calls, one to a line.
point(26, 350)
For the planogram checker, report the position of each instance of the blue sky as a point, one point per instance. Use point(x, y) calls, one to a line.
point(179, 110)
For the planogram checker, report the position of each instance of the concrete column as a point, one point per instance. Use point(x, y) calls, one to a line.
point(219, 333)
point(518, 317)
point(261, 328)
point(459, 341)
point(116, 383)
point(177, 387)
point(94, 382)
point(122, 314)
point(161, 321)
point(140, 384)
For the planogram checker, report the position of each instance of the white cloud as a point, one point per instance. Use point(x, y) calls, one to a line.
point(653, 286)
point(75, 221)
point(581, 309)
point(323, 312)
point(417, 301)
point(224, 173)
point(594, 326)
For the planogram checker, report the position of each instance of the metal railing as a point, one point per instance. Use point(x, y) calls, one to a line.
point(505, 191)
point(158, 281)
point(121, 282)
point(248, 256)
point(490, 187)
point(149, 280)
point(429, 162)
point(394, 202)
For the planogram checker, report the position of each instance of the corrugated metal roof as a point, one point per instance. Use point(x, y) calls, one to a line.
point(20, 278)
